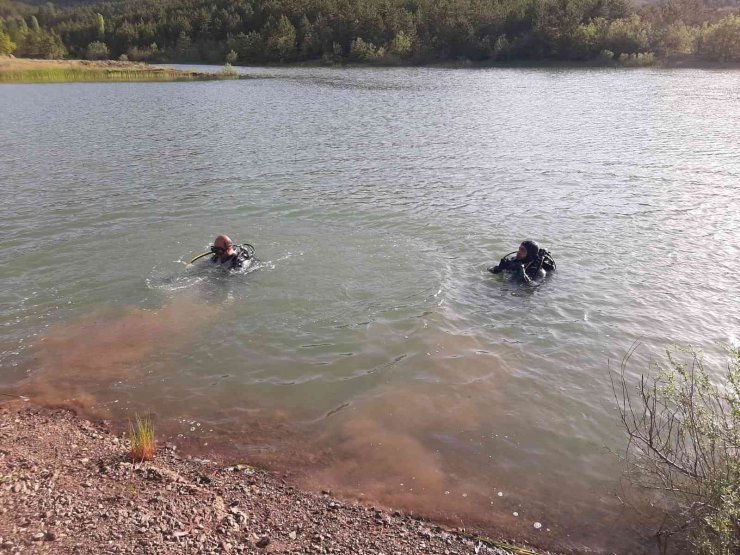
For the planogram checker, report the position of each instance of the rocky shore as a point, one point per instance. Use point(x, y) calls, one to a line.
point(67, 486)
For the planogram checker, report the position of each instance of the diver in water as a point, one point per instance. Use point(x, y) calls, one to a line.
point(227, 255)
point(530, 264)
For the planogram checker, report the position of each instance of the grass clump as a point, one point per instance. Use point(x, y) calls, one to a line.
point(684, 443)
point(229, 71)
point(141, 439)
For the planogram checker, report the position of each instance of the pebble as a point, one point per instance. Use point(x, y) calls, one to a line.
point(146, 501)
point(537, 525)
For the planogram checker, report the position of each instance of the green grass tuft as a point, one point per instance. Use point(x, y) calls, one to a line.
point(141, 438)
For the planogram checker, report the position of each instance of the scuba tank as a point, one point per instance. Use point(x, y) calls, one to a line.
point(546, 261)
point(244, 253)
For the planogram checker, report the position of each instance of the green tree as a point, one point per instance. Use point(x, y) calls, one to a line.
point(309, 39)
point(425, 30)
point(99, 26)
point(582, 43)
point(676, 38)
point(231, 57)
point(501, 48)
point(6, 45)
point(722, 40)
point(18, 32)
point(41, 44)
point(281, 40)
point(364, 51)
point(97, 51)
point(249, 47)
point(401, 45)
point(627, 36)
point(182, 47)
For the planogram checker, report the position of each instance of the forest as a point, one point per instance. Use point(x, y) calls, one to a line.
point(392, 32)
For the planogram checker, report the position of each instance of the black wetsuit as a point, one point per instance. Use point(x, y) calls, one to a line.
point(236, 261)
point(528, 272)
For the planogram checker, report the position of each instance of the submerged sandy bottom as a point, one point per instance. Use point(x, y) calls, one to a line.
point(387, 448)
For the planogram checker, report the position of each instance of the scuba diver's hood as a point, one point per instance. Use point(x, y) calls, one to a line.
point(532, 250)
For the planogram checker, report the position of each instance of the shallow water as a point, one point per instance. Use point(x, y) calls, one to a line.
point(369, 350)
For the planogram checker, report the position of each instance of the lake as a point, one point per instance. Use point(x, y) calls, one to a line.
point(369, 351)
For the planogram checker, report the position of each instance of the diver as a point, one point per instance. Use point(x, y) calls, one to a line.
point(227, 255)
point(530, 265)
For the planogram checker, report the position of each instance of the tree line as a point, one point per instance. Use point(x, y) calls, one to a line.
point(373, 31)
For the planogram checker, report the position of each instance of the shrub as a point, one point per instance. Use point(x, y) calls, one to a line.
point(684, 442)
point(606, 56)
point(626, 35)
point(281, 40)
point(401, 45)
point(365, 51)
point(638, 59)
point(581, 43)
point(249, 47)
point(676, 39)
point(97, 51)
point(143, 54)
point(141, 439)
point(6, 45)
point(229, 71)
point(501, 48)
point(37, 43)
point(721, 41)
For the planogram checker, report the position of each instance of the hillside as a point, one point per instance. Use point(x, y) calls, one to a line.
point(373, 31)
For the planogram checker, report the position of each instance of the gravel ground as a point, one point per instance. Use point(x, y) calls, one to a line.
point(66, 486)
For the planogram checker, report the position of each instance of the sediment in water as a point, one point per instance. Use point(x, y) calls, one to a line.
point(66, 486)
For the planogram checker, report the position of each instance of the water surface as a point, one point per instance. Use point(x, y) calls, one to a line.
point(369, 351)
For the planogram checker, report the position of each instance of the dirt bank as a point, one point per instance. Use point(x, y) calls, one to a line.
point(66, 486)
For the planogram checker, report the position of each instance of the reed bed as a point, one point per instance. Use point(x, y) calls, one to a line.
point(72, 73)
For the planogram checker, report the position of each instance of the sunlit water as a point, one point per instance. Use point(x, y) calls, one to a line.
point(369, 351)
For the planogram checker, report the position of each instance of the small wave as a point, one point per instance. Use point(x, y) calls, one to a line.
point(204, 279)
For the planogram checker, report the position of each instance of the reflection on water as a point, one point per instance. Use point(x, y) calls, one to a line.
point(370, 351)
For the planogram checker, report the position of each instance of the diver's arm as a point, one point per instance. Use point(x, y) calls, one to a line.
point(504, 264)
point(528, 281)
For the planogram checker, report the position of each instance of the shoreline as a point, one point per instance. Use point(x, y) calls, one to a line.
point(66, 485)
point(36, 71)
point(26, 70)
point(677, 62)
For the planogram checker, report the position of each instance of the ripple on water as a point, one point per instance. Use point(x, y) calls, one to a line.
point(370, 347)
